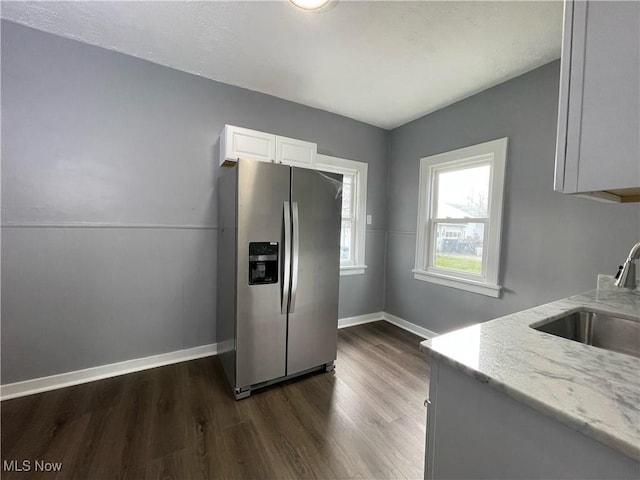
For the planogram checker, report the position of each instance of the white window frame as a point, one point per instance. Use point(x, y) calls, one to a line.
point(359, 171)
point(494, 153)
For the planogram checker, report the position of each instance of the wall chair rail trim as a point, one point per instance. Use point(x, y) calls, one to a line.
point(159, 226)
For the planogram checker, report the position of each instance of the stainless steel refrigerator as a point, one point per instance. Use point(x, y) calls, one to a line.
point(278, 272)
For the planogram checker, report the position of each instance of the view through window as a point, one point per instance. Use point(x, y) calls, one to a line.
point(348, 220)
point(463, 194)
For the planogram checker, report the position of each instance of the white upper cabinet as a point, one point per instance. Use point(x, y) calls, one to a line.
point(598, 150)
point(296, 152)
point(238, 142)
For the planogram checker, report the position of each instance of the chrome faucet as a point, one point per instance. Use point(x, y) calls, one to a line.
point(626, 277)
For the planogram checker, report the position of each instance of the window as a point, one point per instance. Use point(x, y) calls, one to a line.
point(460, 218)
point(348, 231)
point(354, 211)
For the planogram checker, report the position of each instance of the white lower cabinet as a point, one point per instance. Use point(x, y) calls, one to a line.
point(239, 142)
point(476, 431)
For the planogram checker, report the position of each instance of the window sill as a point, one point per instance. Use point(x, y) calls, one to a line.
point(488, 289)
point(352, 270)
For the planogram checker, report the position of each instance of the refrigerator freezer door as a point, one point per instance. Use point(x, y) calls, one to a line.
point(313, 324)
point(261, 328)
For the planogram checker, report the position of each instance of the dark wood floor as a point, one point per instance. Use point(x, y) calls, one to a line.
point(365, 420)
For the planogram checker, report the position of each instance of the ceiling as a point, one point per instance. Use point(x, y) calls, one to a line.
point(383, 63)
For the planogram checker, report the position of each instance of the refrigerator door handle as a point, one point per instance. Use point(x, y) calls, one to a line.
point(286, 273)
point(294, 256)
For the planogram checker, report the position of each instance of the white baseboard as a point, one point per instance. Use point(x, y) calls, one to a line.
point(397, 321)
point(43, 384)
point(53, 382)
point(408, 326)
point(360, 319)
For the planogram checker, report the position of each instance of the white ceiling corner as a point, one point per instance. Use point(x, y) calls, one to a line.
point(383, 63)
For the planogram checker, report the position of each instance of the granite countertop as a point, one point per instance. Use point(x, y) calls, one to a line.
point(592, 390)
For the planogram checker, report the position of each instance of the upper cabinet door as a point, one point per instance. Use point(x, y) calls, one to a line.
point(599, 113)
point(297, 153)
point(238, 142)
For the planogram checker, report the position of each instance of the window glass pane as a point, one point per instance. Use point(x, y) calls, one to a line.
point(346, 241)
point(463, 193)
point(459, 247)
point(347, 188)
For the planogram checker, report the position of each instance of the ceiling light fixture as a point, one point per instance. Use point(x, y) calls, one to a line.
point(309, 4)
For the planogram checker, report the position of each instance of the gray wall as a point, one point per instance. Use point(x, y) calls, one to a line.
point(553, 245)
point(108, 202)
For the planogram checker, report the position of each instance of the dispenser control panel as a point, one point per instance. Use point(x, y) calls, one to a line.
point(263, 263)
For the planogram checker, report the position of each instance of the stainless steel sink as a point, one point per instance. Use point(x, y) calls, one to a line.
point(600, 330)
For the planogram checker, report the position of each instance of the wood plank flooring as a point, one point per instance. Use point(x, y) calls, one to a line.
point(365, 420)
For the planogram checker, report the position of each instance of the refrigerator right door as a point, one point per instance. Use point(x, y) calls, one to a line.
point(313, 312)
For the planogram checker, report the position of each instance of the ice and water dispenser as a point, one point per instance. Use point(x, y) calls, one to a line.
point(263, 263)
